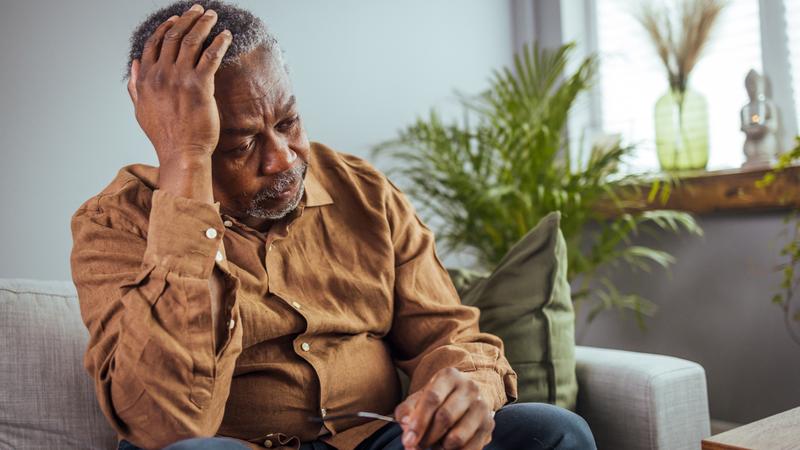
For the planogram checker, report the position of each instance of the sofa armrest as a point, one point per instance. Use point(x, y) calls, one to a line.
point(642, 401)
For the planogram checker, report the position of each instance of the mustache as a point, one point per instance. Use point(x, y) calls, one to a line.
point(283, 181)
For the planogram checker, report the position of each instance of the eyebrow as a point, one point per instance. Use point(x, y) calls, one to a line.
point(239, 130)
point(252, 130)
point(290, 103)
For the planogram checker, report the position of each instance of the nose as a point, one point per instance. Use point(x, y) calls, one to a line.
point(276, 156)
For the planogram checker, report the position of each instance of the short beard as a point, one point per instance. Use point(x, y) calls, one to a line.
point(258, 208)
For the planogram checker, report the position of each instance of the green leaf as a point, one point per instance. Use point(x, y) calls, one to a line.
point(651, 197)
point(638, 255)
point(767, 180)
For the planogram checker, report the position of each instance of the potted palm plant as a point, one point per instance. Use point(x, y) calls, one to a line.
point(491, 178)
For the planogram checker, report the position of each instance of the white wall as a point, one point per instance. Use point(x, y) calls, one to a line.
point(361, 69)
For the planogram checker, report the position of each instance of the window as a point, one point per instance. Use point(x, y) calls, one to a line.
point(631, 78)
point(793, 35)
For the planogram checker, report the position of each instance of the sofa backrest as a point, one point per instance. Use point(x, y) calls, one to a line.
point(47, 399)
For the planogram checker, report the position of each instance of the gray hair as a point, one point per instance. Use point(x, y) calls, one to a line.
point(248, 31)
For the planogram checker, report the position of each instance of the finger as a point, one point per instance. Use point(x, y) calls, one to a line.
point(212, 56)
point(450, 413)
point(192, 43)
point(132, 81)
point(432, 397)
point(475, 425)
point(480, 440)
point(173, 37)
point(404, 409)
point(152, 46)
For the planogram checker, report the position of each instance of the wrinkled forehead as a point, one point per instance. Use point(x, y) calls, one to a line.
point(258, 78)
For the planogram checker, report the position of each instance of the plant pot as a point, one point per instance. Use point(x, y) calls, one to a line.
point(682, 131)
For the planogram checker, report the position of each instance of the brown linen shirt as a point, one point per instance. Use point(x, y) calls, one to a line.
point(321, 310)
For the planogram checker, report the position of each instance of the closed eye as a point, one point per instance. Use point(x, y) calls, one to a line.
point(287, 124)
point(242, 149)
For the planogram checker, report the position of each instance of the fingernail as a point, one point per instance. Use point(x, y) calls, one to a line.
point(404, 420)
point(196, 7)
point(210, 12)
point(408, 438)
point(172, 19)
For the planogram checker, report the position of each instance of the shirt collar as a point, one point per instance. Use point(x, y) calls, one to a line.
point(316, 195)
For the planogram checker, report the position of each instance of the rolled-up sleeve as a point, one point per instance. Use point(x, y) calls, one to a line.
point(145, 299)
point(431, 329)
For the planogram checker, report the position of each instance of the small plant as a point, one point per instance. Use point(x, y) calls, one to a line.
point(679, 31)
point(487, 181)
point(790, 270)
point(679, 35)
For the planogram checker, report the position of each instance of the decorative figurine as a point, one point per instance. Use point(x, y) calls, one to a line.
point(759, 123)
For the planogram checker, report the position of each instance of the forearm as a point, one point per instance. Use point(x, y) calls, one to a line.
point(146, 298)
point(190, 177)
point(426, 300)
point(185, 237)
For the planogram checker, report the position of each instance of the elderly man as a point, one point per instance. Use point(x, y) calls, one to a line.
point(257, 290)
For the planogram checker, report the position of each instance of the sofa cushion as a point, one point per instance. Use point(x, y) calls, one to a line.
point(48, 399)
point(526, 302)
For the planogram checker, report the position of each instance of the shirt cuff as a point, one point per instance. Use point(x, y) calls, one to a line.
point(493, 388)
point(184, 235)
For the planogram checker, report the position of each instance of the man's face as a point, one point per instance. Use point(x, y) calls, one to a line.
point(262, 155)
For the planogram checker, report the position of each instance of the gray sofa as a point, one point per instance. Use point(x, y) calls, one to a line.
point(631, 400)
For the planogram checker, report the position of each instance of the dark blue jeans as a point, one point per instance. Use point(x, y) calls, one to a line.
point(522, 426)
point(194, 444)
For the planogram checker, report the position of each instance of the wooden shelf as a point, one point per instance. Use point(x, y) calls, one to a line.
point(723, 191)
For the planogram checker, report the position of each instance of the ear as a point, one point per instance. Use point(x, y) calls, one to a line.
point(132, 81)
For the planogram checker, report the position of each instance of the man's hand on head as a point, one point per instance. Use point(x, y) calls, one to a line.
point(449, 412)
point(172, 89)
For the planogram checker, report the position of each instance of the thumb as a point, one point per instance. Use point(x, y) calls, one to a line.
point(405, 408)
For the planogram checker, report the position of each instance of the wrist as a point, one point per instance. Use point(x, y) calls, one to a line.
point(187, 176)
point(186, 160)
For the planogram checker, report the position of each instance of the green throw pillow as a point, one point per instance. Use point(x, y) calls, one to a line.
point(526, 302)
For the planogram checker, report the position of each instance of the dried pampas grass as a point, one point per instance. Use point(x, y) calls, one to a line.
point(679, 30)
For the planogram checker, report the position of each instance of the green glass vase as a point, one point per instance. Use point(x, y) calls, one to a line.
point(682, 131)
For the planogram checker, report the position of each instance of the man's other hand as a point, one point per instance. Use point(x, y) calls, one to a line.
point(448, 411)
point(172, 87)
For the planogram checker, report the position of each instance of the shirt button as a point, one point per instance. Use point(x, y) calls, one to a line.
point(219, 256)
point(231, 324)
point(296, 305)
point(227, 223)
point(211, 233)
point(305, 346)
point(268, 443)
point(323, 412)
